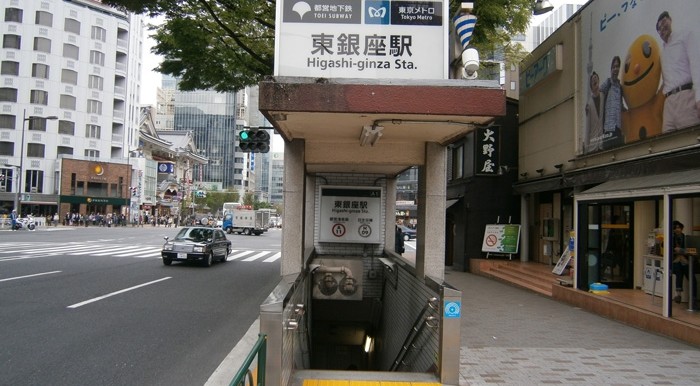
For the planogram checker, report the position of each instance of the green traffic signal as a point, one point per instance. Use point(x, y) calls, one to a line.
point(254, 141)
point(244, 135)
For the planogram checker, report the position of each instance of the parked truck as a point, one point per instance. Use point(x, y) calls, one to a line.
point(242, 219)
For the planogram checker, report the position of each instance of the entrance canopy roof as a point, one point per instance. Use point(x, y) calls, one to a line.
point(330, 114)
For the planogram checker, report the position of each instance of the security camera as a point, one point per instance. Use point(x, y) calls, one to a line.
point(470, 61)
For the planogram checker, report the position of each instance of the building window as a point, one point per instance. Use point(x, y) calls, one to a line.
point(9, 67)
point(7, 121)
point(95, 82)
point(68, 102)
point(94, 107)
point(71, 51)
point(512, 85)
point(35, 150)
point(40, 71)
point(69, 76)
point(38, 124)
point(8, 94)
point(34, 181)
point(97, 57)
point(39, 97)
point(13, 14)
point(458, 162)
point(92, 154)
point(72, 25)
point(44, 18)
point(7, 148)
point(64, 150)
point(66, 127)
point(99, 33)
point(42, 45)
point(11, 41)
point(92, 131)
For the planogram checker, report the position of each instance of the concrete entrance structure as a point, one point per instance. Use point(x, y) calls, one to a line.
point(321, 121)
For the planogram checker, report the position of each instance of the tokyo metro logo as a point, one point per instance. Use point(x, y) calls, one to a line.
point(377, 12)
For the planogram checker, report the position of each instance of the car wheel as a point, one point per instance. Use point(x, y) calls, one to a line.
point(167, 261)
point(209, 259)
point(246, 232)
point(223, 258)
point(406, 237)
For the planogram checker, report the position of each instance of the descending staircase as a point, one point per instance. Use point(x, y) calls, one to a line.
point(535, 277)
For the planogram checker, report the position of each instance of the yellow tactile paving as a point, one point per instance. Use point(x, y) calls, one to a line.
point(340, 382)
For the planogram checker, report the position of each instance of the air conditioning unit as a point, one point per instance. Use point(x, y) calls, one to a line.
point(32, 190)
point(2, 188)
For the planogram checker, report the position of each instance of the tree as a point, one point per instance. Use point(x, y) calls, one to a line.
point(226, 45)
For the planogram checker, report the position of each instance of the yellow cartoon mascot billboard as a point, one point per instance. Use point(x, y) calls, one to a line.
point(641, 78)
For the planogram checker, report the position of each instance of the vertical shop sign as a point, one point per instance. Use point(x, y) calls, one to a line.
point(351, 215)
point(487, 151)
point(375, 39)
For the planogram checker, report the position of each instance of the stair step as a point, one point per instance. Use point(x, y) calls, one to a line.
point(544, 284)
point(541, 288)
point(539, 275)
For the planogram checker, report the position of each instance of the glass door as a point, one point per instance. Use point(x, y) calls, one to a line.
point(607, 245)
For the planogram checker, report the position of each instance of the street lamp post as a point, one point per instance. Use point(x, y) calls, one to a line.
point(25, 118)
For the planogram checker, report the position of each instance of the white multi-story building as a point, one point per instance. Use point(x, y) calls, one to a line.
point(69, 90)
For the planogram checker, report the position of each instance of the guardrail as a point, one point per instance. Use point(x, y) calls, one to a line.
point(260, 350)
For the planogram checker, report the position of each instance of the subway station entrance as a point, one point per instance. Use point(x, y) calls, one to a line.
point(347, 302)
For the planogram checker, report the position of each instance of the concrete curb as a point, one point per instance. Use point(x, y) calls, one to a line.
point(223, 375)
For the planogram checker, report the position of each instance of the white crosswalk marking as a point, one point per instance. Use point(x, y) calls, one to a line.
point(16, 251)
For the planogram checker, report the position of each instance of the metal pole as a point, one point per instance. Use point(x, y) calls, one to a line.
point(18, 202)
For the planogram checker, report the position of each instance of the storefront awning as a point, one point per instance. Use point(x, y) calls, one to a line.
point(652, 185)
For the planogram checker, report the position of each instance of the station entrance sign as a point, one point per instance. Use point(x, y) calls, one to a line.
point(351, 214)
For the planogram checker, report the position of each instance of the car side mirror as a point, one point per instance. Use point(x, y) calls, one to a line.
point(166, 238)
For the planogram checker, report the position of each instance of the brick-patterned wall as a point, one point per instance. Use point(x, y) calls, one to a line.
point(402, 305)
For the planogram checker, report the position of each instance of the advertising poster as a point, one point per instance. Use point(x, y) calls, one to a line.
point(362, 39)
point(641, 75)
point(351, 215)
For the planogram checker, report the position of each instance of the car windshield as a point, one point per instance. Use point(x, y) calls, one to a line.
point(195, 234)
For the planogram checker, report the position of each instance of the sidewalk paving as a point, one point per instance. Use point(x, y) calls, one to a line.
point(511, 336)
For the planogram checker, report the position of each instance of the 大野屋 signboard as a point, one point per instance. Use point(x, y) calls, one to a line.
point(351, 215)
point(362, 39)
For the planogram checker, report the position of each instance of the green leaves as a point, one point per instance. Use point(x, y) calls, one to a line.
point(226, 45)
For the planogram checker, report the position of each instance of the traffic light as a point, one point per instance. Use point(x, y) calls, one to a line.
point(134, 190)
point(254, 141)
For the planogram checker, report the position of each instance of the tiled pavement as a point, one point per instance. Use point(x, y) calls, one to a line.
point(511, 336)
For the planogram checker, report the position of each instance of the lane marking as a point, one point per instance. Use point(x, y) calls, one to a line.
point(76, 305)
point(27, 276)
point(239, 255)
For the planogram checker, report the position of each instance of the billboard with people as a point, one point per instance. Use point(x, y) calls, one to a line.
point(641, 77)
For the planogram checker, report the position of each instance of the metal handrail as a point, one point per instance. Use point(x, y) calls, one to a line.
point(421, 322)
point(259, 349)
